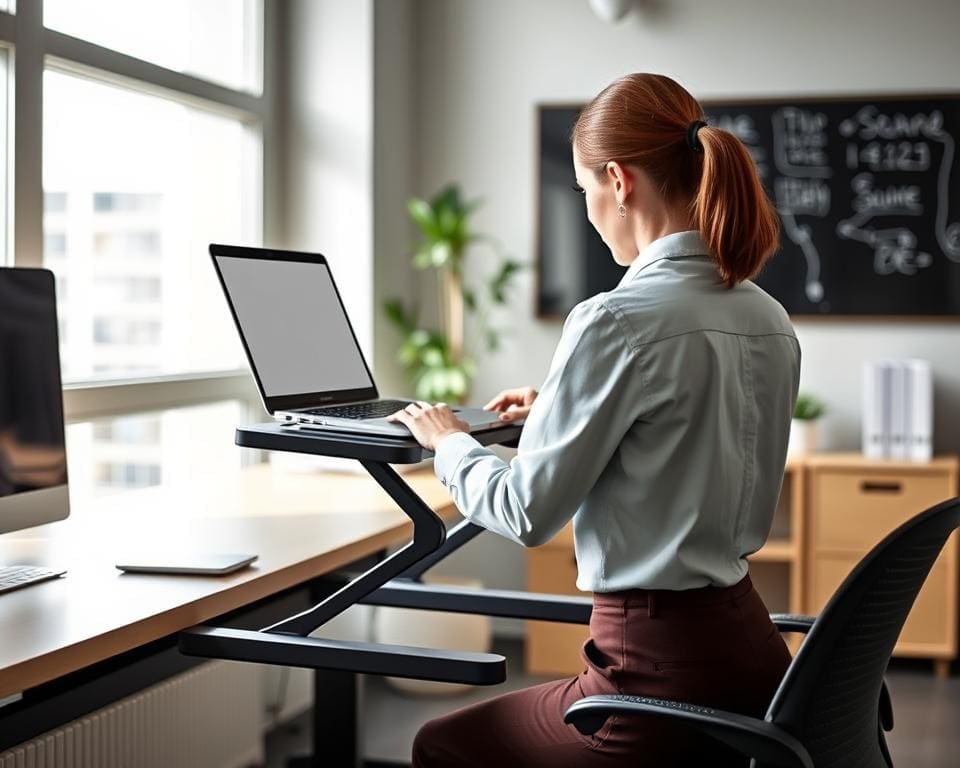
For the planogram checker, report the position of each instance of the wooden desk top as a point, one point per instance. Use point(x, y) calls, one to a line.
point(300, 525)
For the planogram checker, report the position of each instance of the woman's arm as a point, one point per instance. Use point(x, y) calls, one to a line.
point(591, 397)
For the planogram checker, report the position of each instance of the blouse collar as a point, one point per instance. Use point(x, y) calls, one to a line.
point(687, 243)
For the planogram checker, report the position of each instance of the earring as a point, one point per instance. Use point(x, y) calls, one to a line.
point(622, 211)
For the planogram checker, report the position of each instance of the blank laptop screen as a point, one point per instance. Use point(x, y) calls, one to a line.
point(294, 326)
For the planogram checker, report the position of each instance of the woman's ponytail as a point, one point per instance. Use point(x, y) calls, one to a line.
point(652, 121)
point(731, 209)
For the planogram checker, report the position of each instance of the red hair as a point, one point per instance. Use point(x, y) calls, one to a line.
point(642, 119)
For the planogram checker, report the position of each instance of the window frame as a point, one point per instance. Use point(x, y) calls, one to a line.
point(31, 49)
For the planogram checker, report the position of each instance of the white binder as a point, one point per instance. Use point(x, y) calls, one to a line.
point(898, 409)
point(919, 438)
point(874, 439)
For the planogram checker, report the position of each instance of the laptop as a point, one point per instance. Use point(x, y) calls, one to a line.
point(301, 346)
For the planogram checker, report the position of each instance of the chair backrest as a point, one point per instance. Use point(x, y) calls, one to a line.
point(830, 696)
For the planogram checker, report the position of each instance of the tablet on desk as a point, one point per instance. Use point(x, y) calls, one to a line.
point(196, 563)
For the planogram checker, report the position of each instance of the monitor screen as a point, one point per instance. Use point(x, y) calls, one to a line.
point(295, 329)
point(33, 458)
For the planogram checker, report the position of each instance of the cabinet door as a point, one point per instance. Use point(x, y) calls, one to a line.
point(553, 648)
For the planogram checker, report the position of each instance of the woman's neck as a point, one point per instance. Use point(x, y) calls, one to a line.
point(656, 224)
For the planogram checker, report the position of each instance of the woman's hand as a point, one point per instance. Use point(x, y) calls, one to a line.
point(429, 423)
point(513, 404)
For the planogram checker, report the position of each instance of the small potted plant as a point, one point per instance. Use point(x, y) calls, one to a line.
point(803, 427)
point(441, 361)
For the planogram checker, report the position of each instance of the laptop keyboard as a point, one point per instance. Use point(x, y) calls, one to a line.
point(375, 410)
point(16, 576)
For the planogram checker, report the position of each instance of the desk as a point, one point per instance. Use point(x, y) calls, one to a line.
point(302, 527)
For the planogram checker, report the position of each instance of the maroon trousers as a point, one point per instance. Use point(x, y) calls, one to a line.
point(712, 646)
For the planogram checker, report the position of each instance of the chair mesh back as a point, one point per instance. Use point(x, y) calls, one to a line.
point(840, 726)
point(829, 698)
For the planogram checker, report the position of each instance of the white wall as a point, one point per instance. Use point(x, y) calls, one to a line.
point(481, 67)
point(329, 152)
point(394, 167)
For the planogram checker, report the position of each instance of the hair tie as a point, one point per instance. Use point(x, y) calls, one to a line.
point(693, 140)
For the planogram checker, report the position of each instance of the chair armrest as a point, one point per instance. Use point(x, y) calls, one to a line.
point(766, 742)
point(792, 622)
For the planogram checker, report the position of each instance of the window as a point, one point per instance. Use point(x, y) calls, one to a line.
point(124, 245)
point(218, 40)
point(156, 182)
point(136, 451)
point(126, 201)
point(144, 143)
point(110, 289)
point(129, 430)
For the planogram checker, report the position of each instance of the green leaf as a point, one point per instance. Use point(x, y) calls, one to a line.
point(500, 281)
point(422, 257)
point(469, 299)
point(394, 311)
point(448, 197)
point(808, 407)
point(433, 357)
point(493, 340)
point(457, 382)
point(424, 216)
point(420, 338)
point(440, 253)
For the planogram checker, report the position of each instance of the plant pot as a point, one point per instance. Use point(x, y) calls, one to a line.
point(432, 629)
point(804, 437)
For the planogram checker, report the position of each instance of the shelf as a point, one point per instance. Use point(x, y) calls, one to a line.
point(859, 462)
point(775, 551)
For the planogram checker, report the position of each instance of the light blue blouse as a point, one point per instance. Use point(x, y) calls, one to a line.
point(661, 429)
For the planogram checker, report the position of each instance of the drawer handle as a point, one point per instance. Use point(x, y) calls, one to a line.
point(870, 486)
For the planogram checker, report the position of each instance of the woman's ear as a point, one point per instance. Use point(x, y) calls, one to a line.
point(622, 179)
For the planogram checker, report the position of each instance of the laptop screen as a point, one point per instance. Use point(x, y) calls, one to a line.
point(296, 331)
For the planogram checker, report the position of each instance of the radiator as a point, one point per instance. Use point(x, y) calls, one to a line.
point(209, 717)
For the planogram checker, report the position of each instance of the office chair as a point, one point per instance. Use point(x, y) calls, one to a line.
point(832, 706)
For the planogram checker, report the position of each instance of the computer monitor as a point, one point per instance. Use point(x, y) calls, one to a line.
point(33, 457)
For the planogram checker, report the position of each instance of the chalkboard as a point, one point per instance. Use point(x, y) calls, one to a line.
point(868, 192)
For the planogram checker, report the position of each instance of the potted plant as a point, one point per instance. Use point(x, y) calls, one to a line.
point(441, 362)
point(803, 426)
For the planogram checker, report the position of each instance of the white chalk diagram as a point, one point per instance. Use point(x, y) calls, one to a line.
point(800, 234)
point(895, 248)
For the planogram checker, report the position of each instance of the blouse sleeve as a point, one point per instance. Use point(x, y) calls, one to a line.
point(591, 397)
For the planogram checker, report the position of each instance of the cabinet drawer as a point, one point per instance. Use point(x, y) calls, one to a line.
point(852, 511)
point(553, 648)
point(929, 625)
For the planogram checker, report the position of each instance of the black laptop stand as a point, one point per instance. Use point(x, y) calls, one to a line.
point(395, 581)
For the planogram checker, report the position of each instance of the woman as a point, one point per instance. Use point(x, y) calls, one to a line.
point(661, 429)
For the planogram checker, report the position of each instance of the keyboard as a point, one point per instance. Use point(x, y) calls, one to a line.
point(16, 576)
point(373, 410)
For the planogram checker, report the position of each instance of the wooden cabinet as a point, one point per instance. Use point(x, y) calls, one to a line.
point(833, 508)
point(553, 648)
point(854, 503)
point(776, 570)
